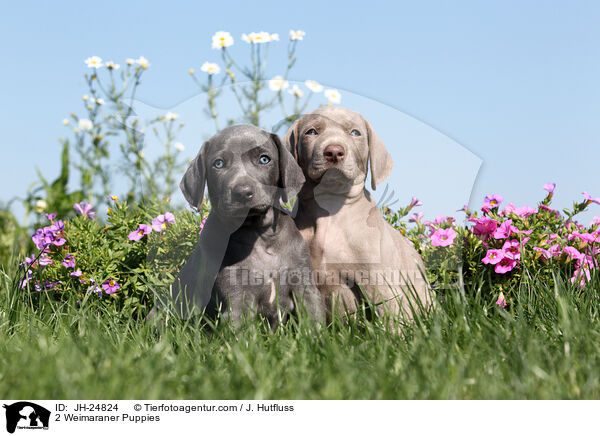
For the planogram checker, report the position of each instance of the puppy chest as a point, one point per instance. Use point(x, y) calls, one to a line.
point(336, 241)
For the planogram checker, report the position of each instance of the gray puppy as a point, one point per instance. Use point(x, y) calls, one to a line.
point(250, 258)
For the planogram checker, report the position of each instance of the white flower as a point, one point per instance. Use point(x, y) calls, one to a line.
point(41, 205)
point(130, 61)
point(65, 122)
point(296, 91)
point(143, 62)
point(170, 116)
point(313, 86)
point(112, 66)
point(94, 62)
point(297, 34)
point(260, 37)
point(210, 68)
point(85, 125)
point(221, 39)
point(99, 101)
point(333, 95)
point(179, 146)
point(278, 83)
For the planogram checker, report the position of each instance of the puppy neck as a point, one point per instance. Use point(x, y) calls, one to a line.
point(264, 222)
point(335, 195)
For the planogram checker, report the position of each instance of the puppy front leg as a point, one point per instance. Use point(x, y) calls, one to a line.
point(309, 299)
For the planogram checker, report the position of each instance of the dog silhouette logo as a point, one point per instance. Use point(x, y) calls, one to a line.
point(26, 415)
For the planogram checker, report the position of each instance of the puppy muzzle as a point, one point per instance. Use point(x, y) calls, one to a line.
point(245, 195)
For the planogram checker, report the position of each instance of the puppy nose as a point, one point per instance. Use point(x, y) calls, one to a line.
point(334, 153)
point(243, 192)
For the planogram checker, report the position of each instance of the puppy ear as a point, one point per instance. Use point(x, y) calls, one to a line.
point(194, 180)
point(290, 139)
point(291, 178)
point(380, 161)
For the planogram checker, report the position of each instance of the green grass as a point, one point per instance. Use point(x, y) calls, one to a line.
point(547, 345)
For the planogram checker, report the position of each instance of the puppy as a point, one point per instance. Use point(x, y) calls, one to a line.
point(355, 253)
point(250, 258)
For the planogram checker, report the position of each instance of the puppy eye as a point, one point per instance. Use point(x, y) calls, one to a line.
point(311, 132)
point(354, 132)
point(219, 163)
point(264, 159)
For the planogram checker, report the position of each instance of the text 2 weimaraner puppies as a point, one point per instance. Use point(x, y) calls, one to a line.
point(250, 257)
point(351, 245)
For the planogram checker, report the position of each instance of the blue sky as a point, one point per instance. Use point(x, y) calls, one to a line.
point(514, 83)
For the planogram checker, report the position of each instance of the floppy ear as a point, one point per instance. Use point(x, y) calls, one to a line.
point(291, 178)
point(194, 180)
point(290, 139)
point(380, 161)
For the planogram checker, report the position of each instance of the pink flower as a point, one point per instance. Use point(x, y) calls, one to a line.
point(110, 286)
point(484, 227)
point(582, 275)
point(94, 288)
point(160, 222)
point(44, 260)
point(415, 202)
point(589, 198)
point(69, 261)
point(512, 248)
point(501, 301)
point(545, 253)
point(595, 221)
point(590, 238)
point(525, 211)
point(85, 209)
point(572, 253)
point(28, 261)
point(551, 252)
point(587, 261)
point(504, 230)
point(28, 276)
point(554, 250)
point(493, 256)
point(416, 217)
point(491, 201)
point(505, 265)
point(49, 235)
point(443, 237)
point(142, 230)
point(510, 208)
point(51, 216)
point(77, 273)
point(549, 187)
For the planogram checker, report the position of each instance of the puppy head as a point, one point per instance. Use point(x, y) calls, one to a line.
point(247, 171)
point(334, 145)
